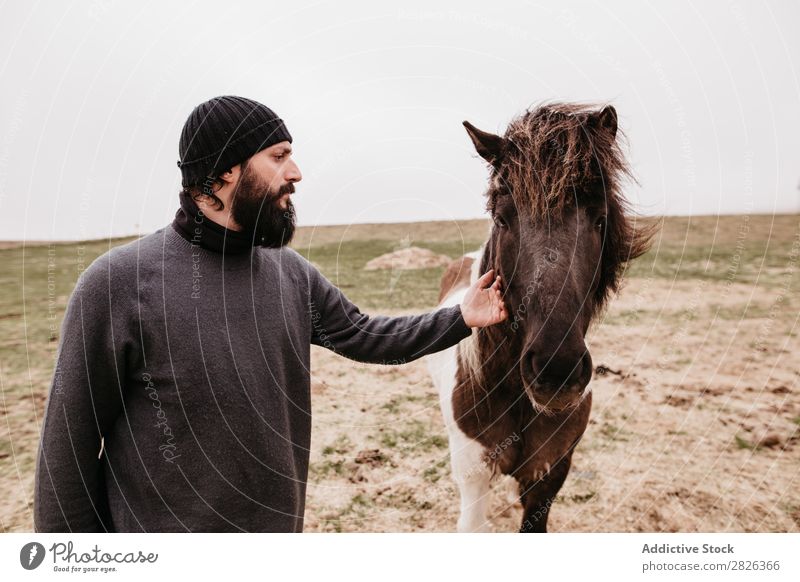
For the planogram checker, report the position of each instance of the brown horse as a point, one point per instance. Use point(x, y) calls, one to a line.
point(515, 396)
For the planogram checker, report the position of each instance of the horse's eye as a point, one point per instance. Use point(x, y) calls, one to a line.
point(499, 222)
point(600, 223)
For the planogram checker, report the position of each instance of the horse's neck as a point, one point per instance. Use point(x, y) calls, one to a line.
point(494, 347)
point(496, 355)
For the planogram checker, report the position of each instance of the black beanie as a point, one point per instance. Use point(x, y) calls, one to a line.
point(223, 132)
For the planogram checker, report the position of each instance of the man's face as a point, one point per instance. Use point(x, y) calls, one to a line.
point(261, 202)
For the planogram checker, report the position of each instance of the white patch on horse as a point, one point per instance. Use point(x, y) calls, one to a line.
point(468, 348)
point(467, 456)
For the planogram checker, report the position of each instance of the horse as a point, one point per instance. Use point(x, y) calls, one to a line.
point(515, 396)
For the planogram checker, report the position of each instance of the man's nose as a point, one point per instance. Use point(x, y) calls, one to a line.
point(293, 173)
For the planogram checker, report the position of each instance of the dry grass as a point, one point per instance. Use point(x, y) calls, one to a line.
point(672, 444)
point(697, 432)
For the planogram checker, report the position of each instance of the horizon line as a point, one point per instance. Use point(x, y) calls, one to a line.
point(332, 225)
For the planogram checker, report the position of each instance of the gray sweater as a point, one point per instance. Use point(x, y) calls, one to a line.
point(192, 370)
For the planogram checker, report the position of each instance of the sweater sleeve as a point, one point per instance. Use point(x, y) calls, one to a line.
point(84, 401)
point(337, 324)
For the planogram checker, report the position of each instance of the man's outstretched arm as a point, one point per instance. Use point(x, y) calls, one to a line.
point(340, 326)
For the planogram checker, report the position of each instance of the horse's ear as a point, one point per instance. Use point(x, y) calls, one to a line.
point(606, 120)
point(488, 145)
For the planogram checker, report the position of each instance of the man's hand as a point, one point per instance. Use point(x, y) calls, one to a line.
point(483, 306)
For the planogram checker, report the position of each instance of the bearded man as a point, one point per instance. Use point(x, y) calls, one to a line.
point(180, 400)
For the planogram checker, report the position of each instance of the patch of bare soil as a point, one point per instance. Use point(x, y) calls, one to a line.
point(408, 258)
point(695, 426)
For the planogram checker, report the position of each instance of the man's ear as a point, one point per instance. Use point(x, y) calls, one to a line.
point(229, 175)
point(606, 120)
point(488, 145)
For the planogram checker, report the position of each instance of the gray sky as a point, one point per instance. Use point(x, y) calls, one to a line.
point(94, 96)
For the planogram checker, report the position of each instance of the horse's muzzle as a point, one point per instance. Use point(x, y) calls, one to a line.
point(560, 390)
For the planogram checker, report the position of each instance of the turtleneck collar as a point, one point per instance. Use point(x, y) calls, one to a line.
point(197, 228)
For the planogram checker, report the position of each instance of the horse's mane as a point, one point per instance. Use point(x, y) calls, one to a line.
point(557, 155)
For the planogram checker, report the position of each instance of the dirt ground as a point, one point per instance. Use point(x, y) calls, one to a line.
point(694, 427)
point(408, 258)
point(695, 424)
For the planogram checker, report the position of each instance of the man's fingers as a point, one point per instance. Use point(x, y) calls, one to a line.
point(493, 305)
point(485, 278)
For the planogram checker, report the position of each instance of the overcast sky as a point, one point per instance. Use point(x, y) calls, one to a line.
point(93, 97)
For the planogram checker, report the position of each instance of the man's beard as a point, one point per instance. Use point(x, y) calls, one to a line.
point(256, 209)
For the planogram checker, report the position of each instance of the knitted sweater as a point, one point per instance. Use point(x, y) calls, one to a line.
point(180, 400)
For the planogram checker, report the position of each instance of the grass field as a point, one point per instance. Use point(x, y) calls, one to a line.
point(700, 430)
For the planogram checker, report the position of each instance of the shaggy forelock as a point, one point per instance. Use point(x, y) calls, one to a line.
point(555, 153)
point(558, 155)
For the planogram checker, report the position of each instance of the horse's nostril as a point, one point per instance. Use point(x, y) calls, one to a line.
point(559, 371)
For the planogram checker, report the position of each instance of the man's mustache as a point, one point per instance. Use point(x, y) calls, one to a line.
point(272, 197)
point(283, 190)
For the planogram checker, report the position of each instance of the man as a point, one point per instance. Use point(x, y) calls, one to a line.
point(180, 398)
